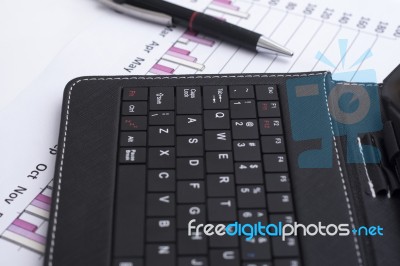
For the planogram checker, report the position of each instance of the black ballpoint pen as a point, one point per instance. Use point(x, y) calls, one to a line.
point(167, 13)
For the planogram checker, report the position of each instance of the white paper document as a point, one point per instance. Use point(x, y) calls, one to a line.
point(356, 44)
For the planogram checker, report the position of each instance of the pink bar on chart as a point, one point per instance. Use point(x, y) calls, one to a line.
point(179, 50)
point(225, 5)
point(28, 234)
point(43, 198)
point(182, 56)
point(159, 72)
point(41, 205)
point(199, 40)
point(164, 68)
point(25, 225)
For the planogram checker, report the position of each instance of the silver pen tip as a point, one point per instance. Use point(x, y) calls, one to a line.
point(265, 45)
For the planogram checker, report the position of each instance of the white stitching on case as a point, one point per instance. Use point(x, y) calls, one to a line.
point(52, 243)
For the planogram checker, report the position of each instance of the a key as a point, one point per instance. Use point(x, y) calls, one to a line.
point(286, 218)
point(190, 192)
point(243, 109)
point(190, 168)
point(188, 100)
point(220, 186)
point(133, 123)
point(130, 262)
point(196, 243)
point(162, 98)
point(128, 225)
point(189, 125)
point(256, 248)
point(132, 155)
point(251, 197)
point(215, 97)
point(161, 254)
point(134, 108)
point(241, 91)
point(192, 261)
point(253, 263)
point(224, 241)
point(277, 182)
point(248, 173)
point(287, 262)
point(135, 94)
point(267, 92)
point(287, 248)
point(190, 146)
point(161, 118)
point(279, 202)
point(160, 204)
point(272, 144)
point(252, 216)
point(219, 162)
point(188, 212)
point(245, 129)
point(275, 163)
point(161, 180)
point(160, 230)
point(247, 150)
point(216, 119)
point(224, 257)
point(218, 140)
point(268, 109)
point(163, 157)
point(221, 209)
point(161, 136)
point(133, 139)
point(271, 126)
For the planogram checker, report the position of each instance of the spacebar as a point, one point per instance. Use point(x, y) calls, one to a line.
point(130, 211)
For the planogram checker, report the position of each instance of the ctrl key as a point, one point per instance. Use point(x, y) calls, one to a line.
point(128, 262)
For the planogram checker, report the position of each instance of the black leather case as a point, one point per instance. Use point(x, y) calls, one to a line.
point(80, 230)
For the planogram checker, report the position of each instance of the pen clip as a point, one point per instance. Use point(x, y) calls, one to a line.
point(136, 12)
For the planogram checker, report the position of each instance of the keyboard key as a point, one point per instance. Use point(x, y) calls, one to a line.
point(196, 243)
point(241, 91)
point(279, 202)
point(134, 108)
point(275, 163)
point(134, 123)
point(256, 248)
point(188, 212)
point(252, 216)
point(287, 248)
point(128, 225)
point(160, 204)
point(190, 192)
point(160, 230)
point(132, 139)
point(245, 129)
point(190, 146)
point(286, 218)
point(161, 136)
point(221, 209)
point(161, 180)
point(278, 182)
point(272, 144)
point(188, 100)
point(162, 98)
point(161, 118)
point(271, 126)
point(130, 262)
point(225, 241)
point(192, 261)
point(224, 257)
point(287, 262)
point(248, 173)
point(247, 150)
point(266, 263)
point(135, 94)
point(129, 155)
point(268, 109)
point(161, 157)
point(161, 254)
point(190, 168)
point(243, 109)
point(220, 186)
point(189, 125)
point(215, 97)
point(216, 119)
point(219, 162)
point(267, 92)
point(251, 197)
point(218, 140)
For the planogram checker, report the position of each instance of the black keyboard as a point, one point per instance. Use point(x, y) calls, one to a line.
point(215, 154)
